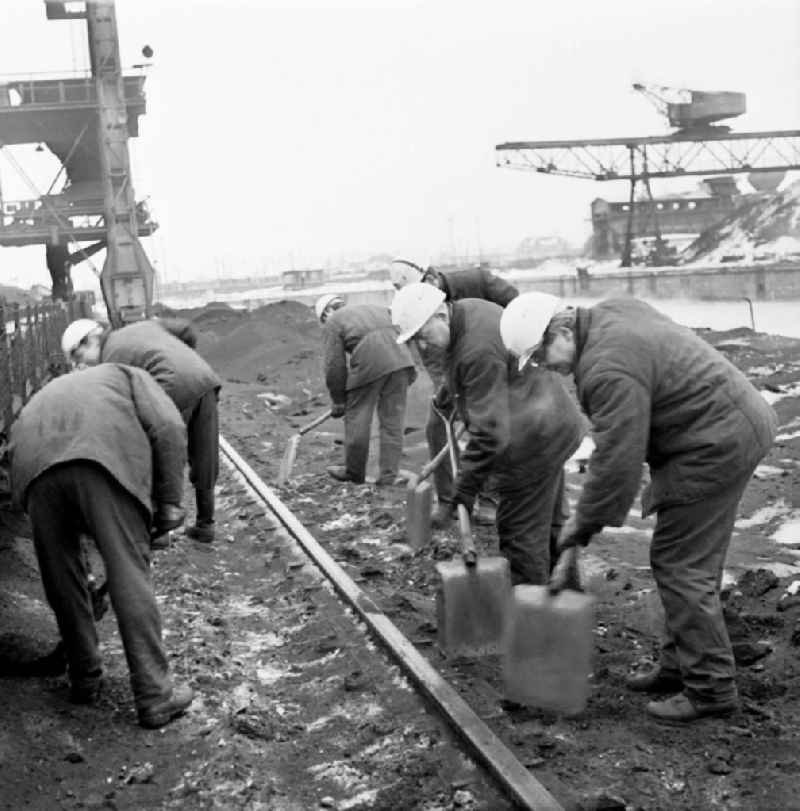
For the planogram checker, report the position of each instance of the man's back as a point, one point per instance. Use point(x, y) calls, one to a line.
point(177, 368)
point(706, 420)
point(478, 283)
point(366, 333)
point(101, 414)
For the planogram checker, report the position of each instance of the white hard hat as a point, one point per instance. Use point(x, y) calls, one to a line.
point(403, 272)
point(524, 322)
point(75, 333)
point(413, 306)
point(323, 302)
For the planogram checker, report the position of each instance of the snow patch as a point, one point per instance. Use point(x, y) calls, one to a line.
point(763, 515)
point(773, 396)
point(767, 471)
point(339, 772)
point(789, 531)
point(267, 674)
point(346, 521)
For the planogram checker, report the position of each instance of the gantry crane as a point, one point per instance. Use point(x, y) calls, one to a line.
point(699, 146)
point(86, 122)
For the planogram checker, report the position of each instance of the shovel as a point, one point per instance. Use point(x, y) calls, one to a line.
point(473, 595)
point(419, 501)
point(289, 455)
point(548, 649)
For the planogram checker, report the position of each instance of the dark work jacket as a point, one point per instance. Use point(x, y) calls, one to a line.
point(477, 283)
point(177, 368)
point(512, 418)
point(116, 416)
point(180, 328)
point(365, 333)
point(656, 392)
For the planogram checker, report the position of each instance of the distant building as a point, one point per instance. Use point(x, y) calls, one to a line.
point(297, 279)
point(543, 247)
point(679, 214)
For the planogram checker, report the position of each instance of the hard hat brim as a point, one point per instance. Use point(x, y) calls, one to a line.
point(525, 357)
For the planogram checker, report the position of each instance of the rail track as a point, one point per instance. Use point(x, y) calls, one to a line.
point(512, 777)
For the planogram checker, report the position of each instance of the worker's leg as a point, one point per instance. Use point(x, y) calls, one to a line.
point(57, 528)
point(687, 555)
point(391, 419)
point(119, 525)
point(528, 497)
point(357, 426)
point(203, 453)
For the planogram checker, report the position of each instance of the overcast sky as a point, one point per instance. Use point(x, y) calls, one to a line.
point(304, 133)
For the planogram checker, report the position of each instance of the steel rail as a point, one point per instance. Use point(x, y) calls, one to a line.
point(515, 780)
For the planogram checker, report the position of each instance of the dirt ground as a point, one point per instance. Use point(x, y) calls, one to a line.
point(297, 710)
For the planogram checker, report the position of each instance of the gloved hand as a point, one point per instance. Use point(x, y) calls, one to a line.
point(572, 535)
point(166, 517)
point(337, 410)
point(468, 501)
point(443, 402)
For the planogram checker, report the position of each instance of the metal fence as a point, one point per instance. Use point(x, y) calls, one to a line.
point(30, 351)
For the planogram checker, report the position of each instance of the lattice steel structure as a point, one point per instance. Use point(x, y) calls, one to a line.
point(707, 151)
point(86, 122)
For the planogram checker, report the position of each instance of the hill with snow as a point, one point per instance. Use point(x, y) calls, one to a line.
point(765, 229)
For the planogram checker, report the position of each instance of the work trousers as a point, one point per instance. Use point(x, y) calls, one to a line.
point(81, 497)
point(687, 556)
point(436, 435)
point(202, 430)
point(388, 395)
point(531, 511)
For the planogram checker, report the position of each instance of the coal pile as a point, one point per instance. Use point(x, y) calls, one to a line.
point(276, 341)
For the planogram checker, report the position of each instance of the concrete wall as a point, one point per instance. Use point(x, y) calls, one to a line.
point(712, 284)
point(760, 283)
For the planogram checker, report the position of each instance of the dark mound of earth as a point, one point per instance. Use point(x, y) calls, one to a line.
point(275, 341)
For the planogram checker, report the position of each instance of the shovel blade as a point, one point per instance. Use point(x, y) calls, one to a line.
point(548, 650)
point(287, 462)
point(419, 504)
point(472, 606)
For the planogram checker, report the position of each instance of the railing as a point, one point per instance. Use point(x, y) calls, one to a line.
point(30, 352)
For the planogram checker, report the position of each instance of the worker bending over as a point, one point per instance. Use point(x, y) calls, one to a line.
point(522, 427)
point(376, 377)
point(472, 283)
point(190, 382)
point(656, 392)
point(101, 451)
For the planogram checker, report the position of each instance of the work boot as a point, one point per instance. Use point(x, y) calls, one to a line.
point(201, 531)
point(162, 712)
point(162, 541)
point(339, 472)
point(442, 515)
point(655, 680)
point(203, 528)
point(84, 690)
point(680, 709)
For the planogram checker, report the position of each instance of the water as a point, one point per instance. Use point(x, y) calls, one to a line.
point(774, 317)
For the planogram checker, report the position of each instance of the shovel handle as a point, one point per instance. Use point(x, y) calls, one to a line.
point(566, 562)
point(438, 459)
point(451, 445)
point(467, 543)
point(314, 423)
